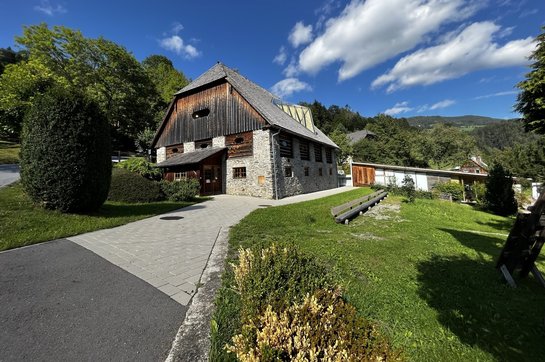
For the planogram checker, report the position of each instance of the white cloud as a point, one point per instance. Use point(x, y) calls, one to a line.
point(288, 86)
point(300, 34)
point(368, 33)
point(472, 49)
point(177, 27)
point(176, 44)
point(50, 9)
point(281, 57)
point(291, 70)
point(401, 107)
point(498, 94)
point(442, 104)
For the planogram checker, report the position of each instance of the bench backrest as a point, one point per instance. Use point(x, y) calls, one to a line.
point(337, 210)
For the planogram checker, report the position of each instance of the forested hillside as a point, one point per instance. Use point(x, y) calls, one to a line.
point(444, 144)
point(458, 121)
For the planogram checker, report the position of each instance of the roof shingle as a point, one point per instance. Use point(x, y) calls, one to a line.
point(261, 99)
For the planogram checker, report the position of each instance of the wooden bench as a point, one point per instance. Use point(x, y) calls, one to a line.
point(344, 212)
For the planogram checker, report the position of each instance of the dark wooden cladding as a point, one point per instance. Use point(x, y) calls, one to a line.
point(328, 155)
point(229, 114)
point(207, 143)
point(174, 149)
point(240, 145)
point(286, 145)
point(304, 150)
point(318, 152)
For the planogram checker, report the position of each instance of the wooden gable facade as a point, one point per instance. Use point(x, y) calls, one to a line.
point(217, 110)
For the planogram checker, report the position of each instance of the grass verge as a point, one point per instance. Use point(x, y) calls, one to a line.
point(424, 272)
point(9, 152)
point(23, 223)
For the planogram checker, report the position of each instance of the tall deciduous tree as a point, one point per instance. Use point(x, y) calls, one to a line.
point(167, 79)
point(10, 56)
point(444, 146)
point(531, 99)
point(345, 147)
point(106, 72)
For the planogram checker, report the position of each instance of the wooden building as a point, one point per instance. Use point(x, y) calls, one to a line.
point(237, 138)
point(365, 174)
point(474, 165)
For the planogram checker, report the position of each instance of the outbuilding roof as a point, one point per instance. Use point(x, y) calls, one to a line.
point(261, 99)
point(190, 158)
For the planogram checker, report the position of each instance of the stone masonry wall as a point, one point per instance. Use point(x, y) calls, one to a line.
point(257, 165)
point(298, 183)
point(189, 147)
point(161, 154)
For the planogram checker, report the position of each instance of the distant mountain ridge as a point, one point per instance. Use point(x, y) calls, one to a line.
point(458, 121)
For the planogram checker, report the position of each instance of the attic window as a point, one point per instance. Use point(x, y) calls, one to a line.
point(239, 140)
point(201, 113)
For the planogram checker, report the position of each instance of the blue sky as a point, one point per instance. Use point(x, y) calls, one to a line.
point(402, 57)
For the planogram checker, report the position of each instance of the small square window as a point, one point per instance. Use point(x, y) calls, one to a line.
point(239, 172)
point(307, 171)
point(320, 172)
point(287, 171)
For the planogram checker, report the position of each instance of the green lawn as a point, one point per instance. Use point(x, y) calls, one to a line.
point(424, 272)
point(9, 152)
point(22, 223)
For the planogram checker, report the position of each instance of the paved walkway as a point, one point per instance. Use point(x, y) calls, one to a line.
point(8, 174)
point(171, 251)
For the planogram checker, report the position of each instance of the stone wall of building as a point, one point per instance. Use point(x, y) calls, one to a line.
point(218, 141)
point(298, 182)
point(189, 147)
point(258, 181)
point(161, 154)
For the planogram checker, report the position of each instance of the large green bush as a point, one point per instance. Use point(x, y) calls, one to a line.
point(141, 166)
point(66, 152)
point(129, 186)
point(182, 190)
point(453, 189)
point(500, 196)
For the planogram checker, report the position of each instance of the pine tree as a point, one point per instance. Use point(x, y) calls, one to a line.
point(500, 196)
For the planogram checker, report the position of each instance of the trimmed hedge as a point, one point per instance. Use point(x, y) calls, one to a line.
point(66, 152)
point(128, 186)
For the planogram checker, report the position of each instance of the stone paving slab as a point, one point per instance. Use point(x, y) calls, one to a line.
point(171, 251)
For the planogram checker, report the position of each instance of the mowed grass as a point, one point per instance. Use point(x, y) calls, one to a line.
point(425, 272)
point(9, 152)
point(22, 223)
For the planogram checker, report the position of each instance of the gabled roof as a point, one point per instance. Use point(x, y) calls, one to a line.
point(260, 99)
point(190, 158)
point(359, 135)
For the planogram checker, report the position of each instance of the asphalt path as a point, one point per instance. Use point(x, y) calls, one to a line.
point(61, 302)
point(8, 174)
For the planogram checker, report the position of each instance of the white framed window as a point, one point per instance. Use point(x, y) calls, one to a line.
point(178, 176)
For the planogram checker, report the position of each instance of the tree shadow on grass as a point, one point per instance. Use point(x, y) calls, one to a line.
point(504, 225)
point(473, 303)
point(484, 244)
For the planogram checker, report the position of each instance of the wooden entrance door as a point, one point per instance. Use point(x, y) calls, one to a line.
point(363, 176)
point(211, 180)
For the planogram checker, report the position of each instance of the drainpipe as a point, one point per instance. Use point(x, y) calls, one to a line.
point(273, 145)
